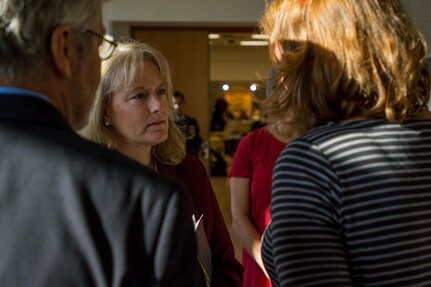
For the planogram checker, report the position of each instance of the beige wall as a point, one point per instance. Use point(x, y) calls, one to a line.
point(239, 63)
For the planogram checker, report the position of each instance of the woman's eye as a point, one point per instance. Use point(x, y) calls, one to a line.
point(161, 92)
point(138, 96)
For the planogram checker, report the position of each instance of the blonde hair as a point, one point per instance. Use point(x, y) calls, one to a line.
point(344, 58)
point(118, 72)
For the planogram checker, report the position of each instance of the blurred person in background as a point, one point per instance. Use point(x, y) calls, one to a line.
point(220, 116)
point(188, 125)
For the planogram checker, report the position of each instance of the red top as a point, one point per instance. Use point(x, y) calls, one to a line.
point(226, 270)
point(254, 159)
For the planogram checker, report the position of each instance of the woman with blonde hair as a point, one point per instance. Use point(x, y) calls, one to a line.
point(351, 198)
point(133, 114)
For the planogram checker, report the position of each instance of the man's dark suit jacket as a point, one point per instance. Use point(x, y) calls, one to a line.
point(75, 214)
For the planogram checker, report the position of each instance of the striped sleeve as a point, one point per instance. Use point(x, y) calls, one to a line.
point(305, 229)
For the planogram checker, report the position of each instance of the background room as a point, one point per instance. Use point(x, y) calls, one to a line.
point(215, 54)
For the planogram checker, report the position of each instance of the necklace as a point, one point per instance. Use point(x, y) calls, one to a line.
point(275, 131)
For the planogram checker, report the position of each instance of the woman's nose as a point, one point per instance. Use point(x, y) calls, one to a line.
point(155, 104)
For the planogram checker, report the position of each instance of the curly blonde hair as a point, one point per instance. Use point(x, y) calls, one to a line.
point(118, 72)
point(343, 58)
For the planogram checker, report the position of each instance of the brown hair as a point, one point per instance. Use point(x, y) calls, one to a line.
point(344, 58)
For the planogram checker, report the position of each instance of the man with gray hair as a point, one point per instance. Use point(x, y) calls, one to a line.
point(73, 213)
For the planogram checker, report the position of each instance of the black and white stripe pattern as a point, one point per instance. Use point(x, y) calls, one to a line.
point(351, 206)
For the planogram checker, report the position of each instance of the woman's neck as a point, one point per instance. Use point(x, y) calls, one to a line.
point(141, 154)
point(422, 115)
point(272, 128)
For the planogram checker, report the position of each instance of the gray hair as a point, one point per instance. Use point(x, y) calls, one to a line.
point(25, 30)
point(119, 72)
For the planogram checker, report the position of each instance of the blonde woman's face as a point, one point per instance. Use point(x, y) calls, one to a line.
point(139, 113)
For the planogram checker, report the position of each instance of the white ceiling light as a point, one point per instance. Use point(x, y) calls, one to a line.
point(213, 36)
point(254, 43)
point(260, 36)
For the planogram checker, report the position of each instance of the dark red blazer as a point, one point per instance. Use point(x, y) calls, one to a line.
point(227, 271)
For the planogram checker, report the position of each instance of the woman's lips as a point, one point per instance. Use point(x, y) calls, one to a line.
point(157, 123)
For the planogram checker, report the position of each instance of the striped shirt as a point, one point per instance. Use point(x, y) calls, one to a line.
point(351, 206)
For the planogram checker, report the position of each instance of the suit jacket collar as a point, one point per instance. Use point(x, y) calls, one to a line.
point(30, 109)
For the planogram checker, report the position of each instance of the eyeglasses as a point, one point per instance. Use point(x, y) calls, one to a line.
point(107, 48)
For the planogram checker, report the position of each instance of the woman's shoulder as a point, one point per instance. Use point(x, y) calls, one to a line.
point(256, 136)
point(190, 165)
point(342, 129)
point(190, 162)
point(193, 174)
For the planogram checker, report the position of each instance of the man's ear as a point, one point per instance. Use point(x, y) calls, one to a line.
point(62, 44)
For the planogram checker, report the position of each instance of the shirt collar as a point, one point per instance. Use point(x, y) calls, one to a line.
point(21, 92)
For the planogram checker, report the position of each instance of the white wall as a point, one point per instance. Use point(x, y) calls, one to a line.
point(420, 11)
point(215, 12)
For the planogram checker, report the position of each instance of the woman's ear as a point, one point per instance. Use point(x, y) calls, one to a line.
point(62, 44)
point(106, 119)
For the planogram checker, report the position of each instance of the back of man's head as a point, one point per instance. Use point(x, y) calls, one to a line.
point(25, 31)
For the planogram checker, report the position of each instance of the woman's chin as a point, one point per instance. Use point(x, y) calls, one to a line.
point(159, 139)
